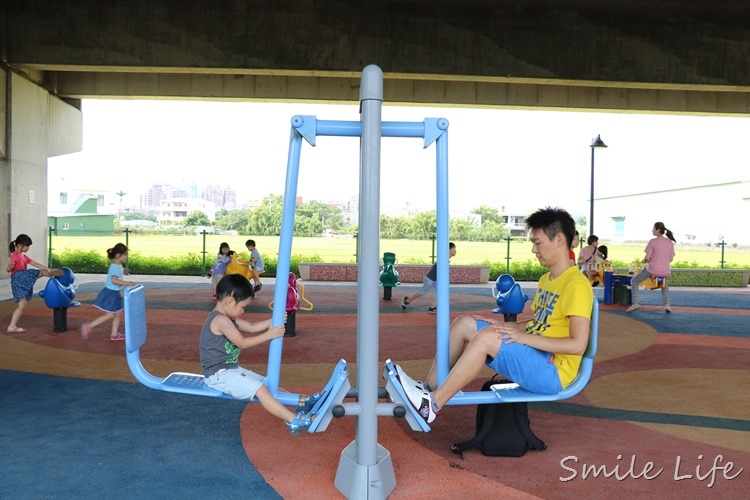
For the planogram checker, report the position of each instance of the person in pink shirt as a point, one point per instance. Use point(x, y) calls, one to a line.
point(658, 259)
point(22, 280)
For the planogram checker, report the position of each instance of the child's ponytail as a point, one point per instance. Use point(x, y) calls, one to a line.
point(22, 240)
point(118, 249)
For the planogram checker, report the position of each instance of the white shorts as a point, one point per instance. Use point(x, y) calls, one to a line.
point(237, 382)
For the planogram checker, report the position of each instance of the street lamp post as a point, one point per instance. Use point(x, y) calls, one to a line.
point(596, 143)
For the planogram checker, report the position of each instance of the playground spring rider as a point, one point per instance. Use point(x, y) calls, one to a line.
point(652, 282)
point(58, 295)
point(294, 300)
point(509, 297)
point(389, 275)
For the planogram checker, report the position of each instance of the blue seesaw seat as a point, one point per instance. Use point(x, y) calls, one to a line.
point(192, 383)
point(135, 337)
point(511, 393)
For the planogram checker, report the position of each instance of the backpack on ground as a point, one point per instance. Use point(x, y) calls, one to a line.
point(502, 429)
point(621, 295)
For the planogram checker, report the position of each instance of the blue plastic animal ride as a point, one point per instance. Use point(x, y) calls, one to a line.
point(58, 295)
point(509, 297)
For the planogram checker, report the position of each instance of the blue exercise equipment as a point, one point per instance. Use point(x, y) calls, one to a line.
point(511, 393)
point(365, 469)
point(58, 295)
point(332, 394)
point(389, 275)
point(396, 393)
point(136, 333)
point(509, 297)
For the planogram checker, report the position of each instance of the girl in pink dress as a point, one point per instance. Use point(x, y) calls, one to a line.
point(22, 280)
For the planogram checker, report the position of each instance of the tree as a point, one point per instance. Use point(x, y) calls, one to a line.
point(236, 220)
point(463, 229)
point(582, 225)
point(322, 216)
point(196, 218)
point(266, 219)
point(488, 214)
point(493, 231)
point(305, 225)
point(392, 228)
point(137, 216)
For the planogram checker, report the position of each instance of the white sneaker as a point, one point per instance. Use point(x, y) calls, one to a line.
point(406, 379)
point(632, 308)
point(419, 398)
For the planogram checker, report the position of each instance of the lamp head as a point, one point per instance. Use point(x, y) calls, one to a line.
point(598, 142)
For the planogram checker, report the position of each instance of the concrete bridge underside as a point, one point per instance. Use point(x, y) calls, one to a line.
point(671, 56)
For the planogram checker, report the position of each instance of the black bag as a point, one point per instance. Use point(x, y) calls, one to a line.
point(503, 429)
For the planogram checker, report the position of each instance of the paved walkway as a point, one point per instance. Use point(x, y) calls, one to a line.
point(81, 279)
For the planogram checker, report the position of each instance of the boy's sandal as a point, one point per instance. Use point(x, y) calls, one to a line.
point(119, 336)
point(300, 423)
point(16, 329)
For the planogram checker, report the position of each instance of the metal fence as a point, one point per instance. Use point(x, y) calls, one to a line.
point(193, 252)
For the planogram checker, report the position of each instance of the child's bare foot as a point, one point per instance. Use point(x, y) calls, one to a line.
point(15, 329)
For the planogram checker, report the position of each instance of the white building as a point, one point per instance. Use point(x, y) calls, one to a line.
point(64, 198)
point(699, 214)
point(176, 209)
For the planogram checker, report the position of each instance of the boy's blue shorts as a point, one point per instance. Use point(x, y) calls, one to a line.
point(528, 367)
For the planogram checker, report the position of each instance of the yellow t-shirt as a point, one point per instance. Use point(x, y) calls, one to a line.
point(570, 294)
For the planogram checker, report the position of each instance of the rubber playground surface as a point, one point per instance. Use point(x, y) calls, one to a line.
point(665, 414)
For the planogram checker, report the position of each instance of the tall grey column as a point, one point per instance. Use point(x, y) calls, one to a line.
point(365, 469)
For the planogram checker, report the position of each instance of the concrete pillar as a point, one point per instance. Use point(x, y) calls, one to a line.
point(35, 126)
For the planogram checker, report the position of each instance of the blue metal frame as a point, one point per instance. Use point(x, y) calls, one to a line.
point(309, 128)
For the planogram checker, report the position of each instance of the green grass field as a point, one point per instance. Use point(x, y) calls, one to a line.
point(407, 251)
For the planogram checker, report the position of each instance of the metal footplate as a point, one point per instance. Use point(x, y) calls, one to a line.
point(332, 394)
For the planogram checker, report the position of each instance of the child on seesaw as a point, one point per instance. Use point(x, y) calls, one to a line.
point(22, 279)
point(220, 344)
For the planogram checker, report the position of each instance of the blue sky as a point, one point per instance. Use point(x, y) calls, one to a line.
point(520, 159)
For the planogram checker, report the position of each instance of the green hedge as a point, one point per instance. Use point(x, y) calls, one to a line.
point(707, 277)
point(94, 262)
point(91, 261)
